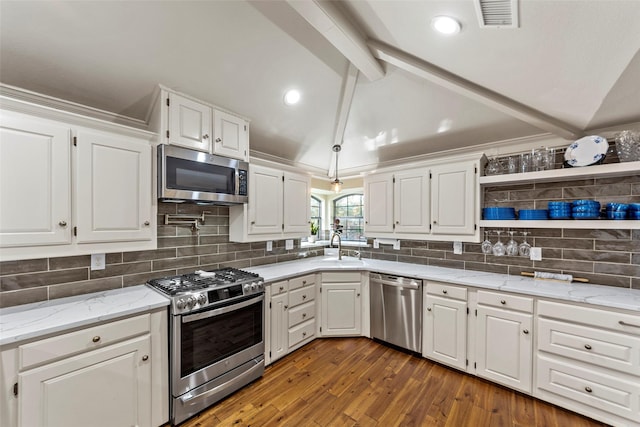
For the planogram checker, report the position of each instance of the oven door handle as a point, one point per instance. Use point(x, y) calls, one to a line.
point(191, 399)
point(219, 311)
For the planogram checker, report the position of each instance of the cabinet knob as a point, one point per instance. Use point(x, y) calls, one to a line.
point(526, 332)
point(218, 139)
point(503, 302)
point(357, 295)
point(304, 297)
point(304, 282)
point(147, 223)
point(253, 223)
point(428, 308)
point(435, 222)
point(62, 223)
point(588, 389)
point(145, 358)
point(286, 306)
point(444, 291)
point(366, 222)
point(587, 346)
point(281, 288)
point(96, 338)
point(304, 334)
point(304, 315)
point(397, 222)
point(205, 136)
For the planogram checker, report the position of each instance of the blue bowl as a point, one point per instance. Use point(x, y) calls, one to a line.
point(559, 205)
point(585, 202)
point(584, 208)
point(633, 214)
point(617, 207)
point(586, 215)
point(616, 215)
point(634, 206)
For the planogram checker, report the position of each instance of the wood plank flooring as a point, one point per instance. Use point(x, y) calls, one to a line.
point(359, 382)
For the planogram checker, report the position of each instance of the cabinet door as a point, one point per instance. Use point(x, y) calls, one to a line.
point(189, 123)
point(411, 202)
point(35, 182)
point(378, 203)
point(341, 309)
point(453, 199)
point(279, 326)
point(265, 200)
point(445, 331)
point(102, 388)
point(297, 207)
point(504, 347)
point(231, 135)
point(113, 188)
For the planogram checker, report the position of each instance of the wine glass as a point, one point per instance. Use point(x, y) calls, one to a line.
point(525, 248)
point(512, 246)
point(494, 167)
point(487, 246)
point(498, 247)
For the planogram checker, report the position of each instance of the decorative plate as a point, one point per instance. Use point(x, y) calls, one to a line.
point(586, 151)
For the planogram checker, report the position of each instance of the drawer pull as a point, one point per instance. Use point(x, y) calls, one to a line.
point(304, 334)
point(588, 389)
point(304, 297)
point(145, 358)
point(623, 323)
point(96, 339)
point(444, 291)
point(503, 302)
point(281, 288)
point(304, 315)
point(304, 282)
point(587, 346)
point(526, 332)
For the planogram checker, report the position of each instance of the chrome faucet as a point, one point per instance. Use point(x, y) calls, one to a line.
point(339, 244)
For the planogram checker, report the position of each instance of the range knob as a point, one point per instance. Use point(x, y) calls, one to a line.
point(247, 287)
point(202, 299)
point(260, 285)
point(191, 301)
point(181, 303)
point(253, 286)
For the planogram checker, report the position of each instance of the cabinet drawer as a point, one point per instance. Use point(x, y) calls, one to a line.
point(510, 302)
point(340, 277)
point(278, 288)
point(610, 319)
point(299, 296)
point(302, 313)
point(594, 387)
point(596, 346)
point(302, 281)
point(443, 290)
point(54, 348)
point(301, 332)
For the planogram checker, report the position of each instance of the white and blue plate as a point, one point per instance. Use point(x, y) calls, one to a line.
point(586, 151)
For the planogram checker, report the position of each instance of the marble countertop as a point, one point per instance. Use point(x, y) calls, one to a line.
point(38, 319)
point(606, 296)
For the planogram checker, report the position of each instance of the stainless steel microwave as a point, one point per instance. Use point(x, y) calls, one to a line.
point(194, 176)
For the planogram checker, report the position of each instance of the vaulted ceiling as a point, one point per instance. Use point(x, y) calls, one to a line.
point(374, 76)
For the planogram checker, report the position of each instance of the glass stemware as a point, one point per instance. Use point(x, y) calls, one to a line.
point(498, 247)
point(525, 248)
point(487, 246)
point(512, 246)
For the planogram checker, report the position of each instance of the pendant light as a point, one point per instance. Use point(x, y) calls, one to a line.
point(336, 184)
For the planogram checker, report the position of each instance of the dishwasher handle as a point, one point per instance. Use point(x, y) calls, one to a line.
point(399, 282)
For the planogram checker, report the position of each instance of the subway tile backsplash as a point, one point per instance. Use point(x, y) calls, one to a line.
point(607, 257)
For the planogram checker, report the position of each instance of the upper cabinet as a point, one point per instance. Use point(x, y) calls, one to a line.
point(73, 185)
point(188, 122)
point(436, 200)
point(278, 206)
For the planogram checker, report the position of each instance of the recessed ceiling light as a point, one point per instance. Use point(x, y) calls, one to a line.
point(445, 25)
point(292, 97)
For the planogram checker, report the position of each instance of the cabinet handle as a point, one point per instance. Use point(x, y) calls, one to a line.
point(588, 389)
point(623, 323)
point(526, 332)
point(253, 223)
point(145, 358)
point(96, 338)
point(357, 295)
point(218, 139)
point(304, 315)
point(147, 223)
point(503, 302)
point(304, 282)
point(304, 297)
point(205, 136)
point(62, 223)
point(281, 288)
point(444, 291)
point(304, 334)
point(428, 308)
point(587, 346)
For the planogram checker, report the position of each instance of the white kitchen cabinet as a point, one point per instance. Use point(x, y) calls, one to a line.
point(504, 340)
point(378, 208)
point(278, 206)
point(35, 181)
point(445, 324)
point(115, 205)
point(341, 304)
point(231, 135)
point(453, 189)
point(189, 122)
point(279, 304)
point(73, 185)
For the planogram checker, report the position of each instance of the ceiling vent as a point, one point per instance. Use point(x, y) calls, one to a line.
point(497, 13)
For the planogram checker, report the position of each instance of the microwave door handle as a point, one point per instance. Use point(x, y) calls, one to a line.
point(219, 311)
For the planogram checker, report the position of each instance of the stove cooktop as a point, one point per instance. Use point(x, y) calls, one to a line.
point(187, 283)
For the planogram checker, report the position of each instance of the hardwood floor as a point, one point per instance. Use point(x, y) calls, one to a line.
point(358, 382)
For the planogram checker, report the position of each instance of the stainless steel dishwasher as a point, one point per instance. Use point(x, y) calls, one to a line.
point(396, 310)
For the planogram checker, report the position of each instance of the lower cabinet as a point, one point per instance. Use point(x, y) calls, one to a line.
point(504, 339)
point(341, 304)
point(113, 374)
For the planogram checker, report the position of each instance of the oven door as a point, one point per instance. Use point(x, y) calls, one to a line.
point(209, 343)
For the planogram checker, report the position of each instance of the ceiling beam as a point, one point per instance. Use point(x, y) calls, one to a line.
point(328, 19)
point(348, 89)
point(471, 90)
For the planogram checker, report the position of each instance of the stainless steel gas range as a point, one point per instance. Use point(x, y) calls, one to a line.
point(216, 336)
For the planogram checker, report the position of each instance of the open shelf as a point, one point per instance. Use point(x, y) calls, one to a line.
point(605, 224)
point(597, 171)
